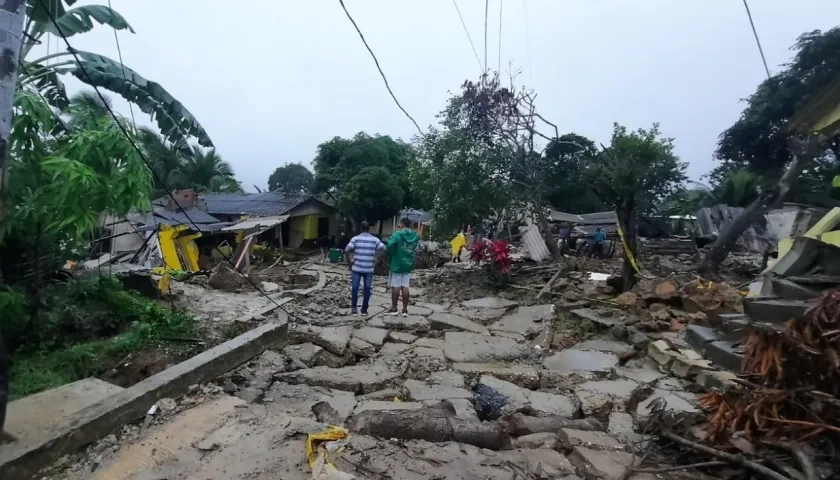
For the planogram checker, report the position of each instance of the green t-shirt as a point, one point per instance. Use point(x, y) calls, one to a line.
point(401, 247)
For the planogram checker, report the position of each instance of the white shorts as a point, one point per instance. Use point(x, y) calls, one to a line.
point(396, 280)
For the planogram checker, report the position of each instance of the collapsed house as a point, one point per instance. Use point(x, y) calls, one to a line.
point(182, 231)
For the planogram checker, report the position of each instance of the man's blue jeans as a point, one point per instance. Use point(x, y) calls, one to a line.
point(354, 293)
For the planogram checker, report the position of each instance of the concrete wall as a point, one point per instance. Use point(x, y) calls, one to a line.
point(130, 242)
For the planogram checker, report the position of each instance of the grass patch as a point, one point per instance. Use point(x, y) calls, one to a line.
point(84, 328)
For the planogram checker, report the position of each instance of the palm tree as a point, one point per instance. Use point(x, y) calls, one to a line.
point(205, 171)
point(51, 17)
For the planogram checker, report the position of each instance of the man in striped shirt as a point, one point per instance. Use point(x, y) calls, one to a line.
point(361, 253)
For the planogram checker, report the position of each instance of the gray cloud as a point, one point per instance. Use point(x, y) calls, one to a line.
point(270, 79)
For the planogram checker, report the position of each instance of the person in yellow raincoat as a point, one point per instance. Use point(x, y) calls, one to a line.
point(458, 243)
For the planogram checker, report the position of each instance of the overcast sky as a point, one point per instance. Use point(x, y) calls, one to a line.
point(271, 79)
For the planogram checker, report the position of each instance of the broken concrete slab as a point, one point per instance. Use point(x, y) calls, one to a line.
point(361, 348)
point(552, 463)
point(570, 438)
point(544, 404)
point(357, 378)
point(597, 396)
point(392, 349)
point(442, 321)
point(303, 352)
point(29, 418)
point(421, 310)
point(24, 459)
point(618, 348)
point(777, 311)
point(517, 400)
point(580, 360)
point(402, 337)
point(325, 358)
point(449, 379)
point(640, 375)
point(464, 408)
point(489, 302)
point(595, 317)
point(428, 359)
point(602, 464)
point(526, 321)
point(423, 392)
point(385, 394)
point(522, 375)
point(672, 400)
point(430, 342)
point(414, 323)
point(385, 405)
point(334, 339)
point(537, 440)
point(466, 347)
point(371, 335)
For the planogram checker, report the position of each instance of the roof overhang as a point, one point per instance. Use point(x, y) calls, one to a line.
point(259, 223)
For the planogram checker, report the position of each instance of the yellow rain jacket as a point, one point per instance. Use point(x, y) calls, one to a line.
point(459, 242)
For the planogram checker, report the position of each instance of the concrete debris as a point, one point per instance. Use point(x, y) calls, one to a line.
point(465, 347)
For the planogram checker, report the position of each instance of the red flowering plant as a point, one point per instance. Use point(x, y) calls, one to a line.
point(495, 254)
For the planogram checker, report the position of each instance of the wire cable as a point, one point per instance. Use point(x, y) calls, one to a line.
point(757, 40)
point(469, 37)
point(378, 67)
point(143, 155)
point(122, 65)
point(486, 14)
point(527, 43)
point(501, 4)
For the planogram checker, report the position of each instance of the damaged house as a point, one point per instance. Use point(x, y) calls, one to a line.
point(181, 233)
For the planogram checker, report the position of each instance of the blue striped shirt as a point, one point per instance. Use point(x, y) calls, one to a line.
point(364, 247)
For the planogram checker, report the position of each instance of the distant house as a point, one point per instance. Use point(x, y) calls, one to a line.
point(419, 221)
point(309, 218)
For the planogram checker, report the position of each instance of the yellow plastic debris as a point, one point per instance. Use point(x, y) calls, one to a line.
point(319, 446)
point(397, 400)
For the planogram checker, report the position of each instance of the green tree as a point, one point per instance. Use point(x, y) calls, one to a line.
point(342, 164)
point(758, 140)
point(60, 181)
point(569, 156)
point(291, 178)
point(205, 171)
point(173, 119)
point(633, 174)
point(370, 195)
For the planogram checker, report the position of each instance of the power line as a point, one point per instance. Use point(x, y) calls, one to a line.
point(757, 40)
point(527, 43)
point(501, 4)
point(122, 65)
point(486, 11)
point(472, 45)
point(378, 67)
point(142, 154)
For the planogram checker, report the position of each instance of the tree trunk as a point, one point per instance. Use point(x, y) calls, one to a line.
point(433, 425)
point(773, 198)
point(627, 220)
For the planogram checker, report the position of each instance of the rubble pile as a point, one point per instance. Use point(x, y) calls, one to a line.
point(794, 380)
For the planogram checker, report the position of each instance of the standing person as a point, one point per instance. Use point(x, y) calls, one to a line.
point(361, 254)
point(458, 243)
point(401, 247)
point(599, 238)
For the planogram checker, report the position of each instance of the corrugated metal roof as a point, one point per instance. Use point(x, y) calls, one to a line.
point(419, 216)
point(187, 216)
point(257, 222)
point(264, 204)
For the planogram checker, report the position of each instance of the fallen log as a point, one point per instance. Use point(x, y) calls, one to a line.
point(433, 425)
point(519, 424)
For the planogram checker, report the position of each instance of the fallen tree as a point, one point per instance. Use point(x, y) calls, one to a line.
point(805, 152)
point(430, 424)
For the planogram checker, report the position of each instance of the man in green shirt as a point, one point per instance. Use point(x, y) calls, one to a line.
point(401, 247)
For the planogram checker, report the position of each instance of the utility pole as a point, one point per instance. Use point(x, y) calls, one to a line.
point(12, 14)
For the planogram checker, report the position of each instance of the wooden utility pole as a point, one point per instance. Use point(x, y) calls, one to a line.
point(12, 14)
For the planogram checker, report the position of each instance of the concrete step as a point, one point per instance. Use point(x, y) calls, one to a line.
point(774, 310)
point(29, 418)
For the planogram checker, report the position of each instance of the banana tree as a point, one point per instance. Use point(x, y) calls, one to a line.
point(43, 73)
